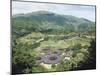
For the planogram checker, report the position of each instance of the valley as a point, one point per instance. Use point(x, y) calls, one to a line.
point(47, 42)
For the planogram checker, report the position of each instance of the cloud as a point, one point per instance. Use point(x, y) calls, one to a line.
point(65, 9)
point(24, 7)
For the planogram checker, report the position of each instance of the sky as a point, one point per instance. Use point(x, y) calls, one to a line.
point(80, 11)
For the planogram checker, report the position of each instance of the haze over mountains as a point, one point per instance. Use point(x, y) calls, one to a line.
point(46, 21)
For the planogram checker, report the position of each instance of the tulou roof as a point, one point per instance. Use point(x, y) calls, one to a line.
point(50, 56)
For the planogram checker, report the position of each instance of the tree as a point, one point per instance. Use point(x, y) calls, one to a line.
point(53, 66)
point(90, 62)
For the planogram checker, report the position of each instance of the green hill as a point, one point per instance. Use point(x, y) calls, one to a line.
point(45, 21)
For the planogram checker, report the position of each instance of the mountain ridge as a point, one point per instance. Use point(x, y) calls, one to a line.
point(49, 21)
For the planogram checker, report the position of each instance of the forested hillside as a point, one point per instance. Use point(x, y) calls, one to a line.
point(43, 21)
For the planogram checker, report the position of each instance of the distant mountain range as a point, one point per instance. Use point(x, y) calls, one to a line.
point(46, 21)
